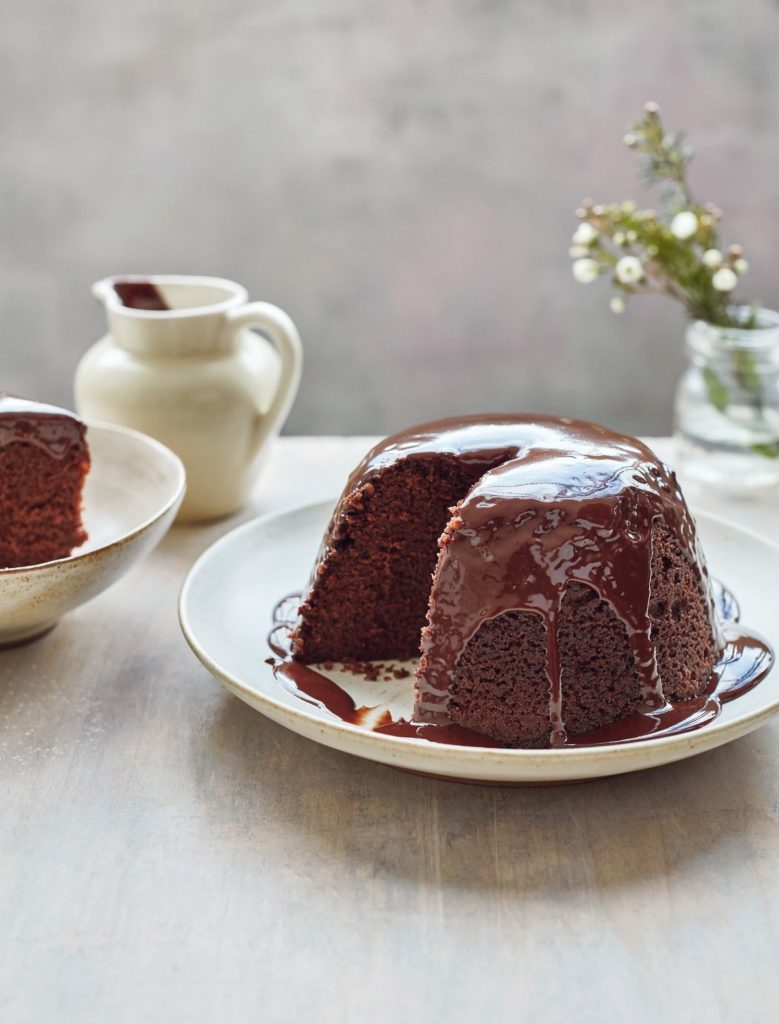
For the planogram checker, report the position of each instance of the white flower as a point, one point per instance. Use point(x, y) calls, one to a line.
point(628, 206)
point(630, 140)
point(684, 225)
point(712, 258)
point(576, 252)
point(724, 280)
point(629, 270)
point(617, 304)
point(741, 266)
point(585, 270)
point(620, 238)
point(632, 236)
point(585, 234)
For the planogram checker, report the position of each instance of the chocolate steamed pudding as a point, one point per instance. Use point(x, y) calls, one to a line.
point(568, 587)
point(44, 459)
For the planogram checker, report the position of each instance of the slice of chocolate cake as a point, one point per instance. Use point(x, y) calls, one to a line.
point(44, 459)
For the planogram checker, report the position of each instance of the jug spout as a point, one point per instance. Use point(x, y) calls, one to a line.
point(102, 290)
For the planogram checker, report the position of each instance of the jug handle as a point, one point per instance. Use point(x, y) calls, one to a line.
point(284, 337)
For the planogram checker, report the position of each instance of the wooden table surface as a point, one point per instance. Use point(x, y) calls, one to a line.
point(167, 854)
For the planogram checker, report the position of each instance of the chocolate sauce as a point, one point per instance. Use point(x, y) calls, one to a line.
point(315, 688)
point(140, 295)
point(456, 735)
point(745, 660)
point(309, 684)
point(54, 430)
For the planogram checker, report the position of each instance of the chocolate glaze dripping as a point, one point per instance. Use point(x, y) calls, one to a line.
point(54, 430)
point(745, 660)
point(535, 524)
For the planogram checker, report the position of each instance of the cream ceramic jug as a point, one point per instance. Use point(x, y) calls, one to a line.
point(195, 377)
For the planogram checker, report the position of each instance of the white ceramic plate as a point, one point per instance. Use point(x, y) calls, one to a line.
point(131, 496)
point(226, 608)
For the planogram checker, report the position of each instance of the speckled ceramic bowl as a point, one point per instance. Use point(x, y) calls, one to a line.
point(131, 497)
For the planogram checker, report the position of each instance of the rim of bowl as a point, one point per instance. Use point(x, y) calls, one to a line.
point(181, 484)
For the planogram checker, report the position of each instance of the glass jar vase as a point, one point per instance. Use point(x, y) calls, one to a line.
point(727, 405)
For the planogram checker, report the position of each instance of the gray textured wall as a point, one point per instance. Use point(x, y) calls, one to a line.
point(399, 175)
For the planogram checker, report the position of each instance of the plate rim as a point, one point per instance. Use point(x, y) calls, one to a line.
point(690, 742)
